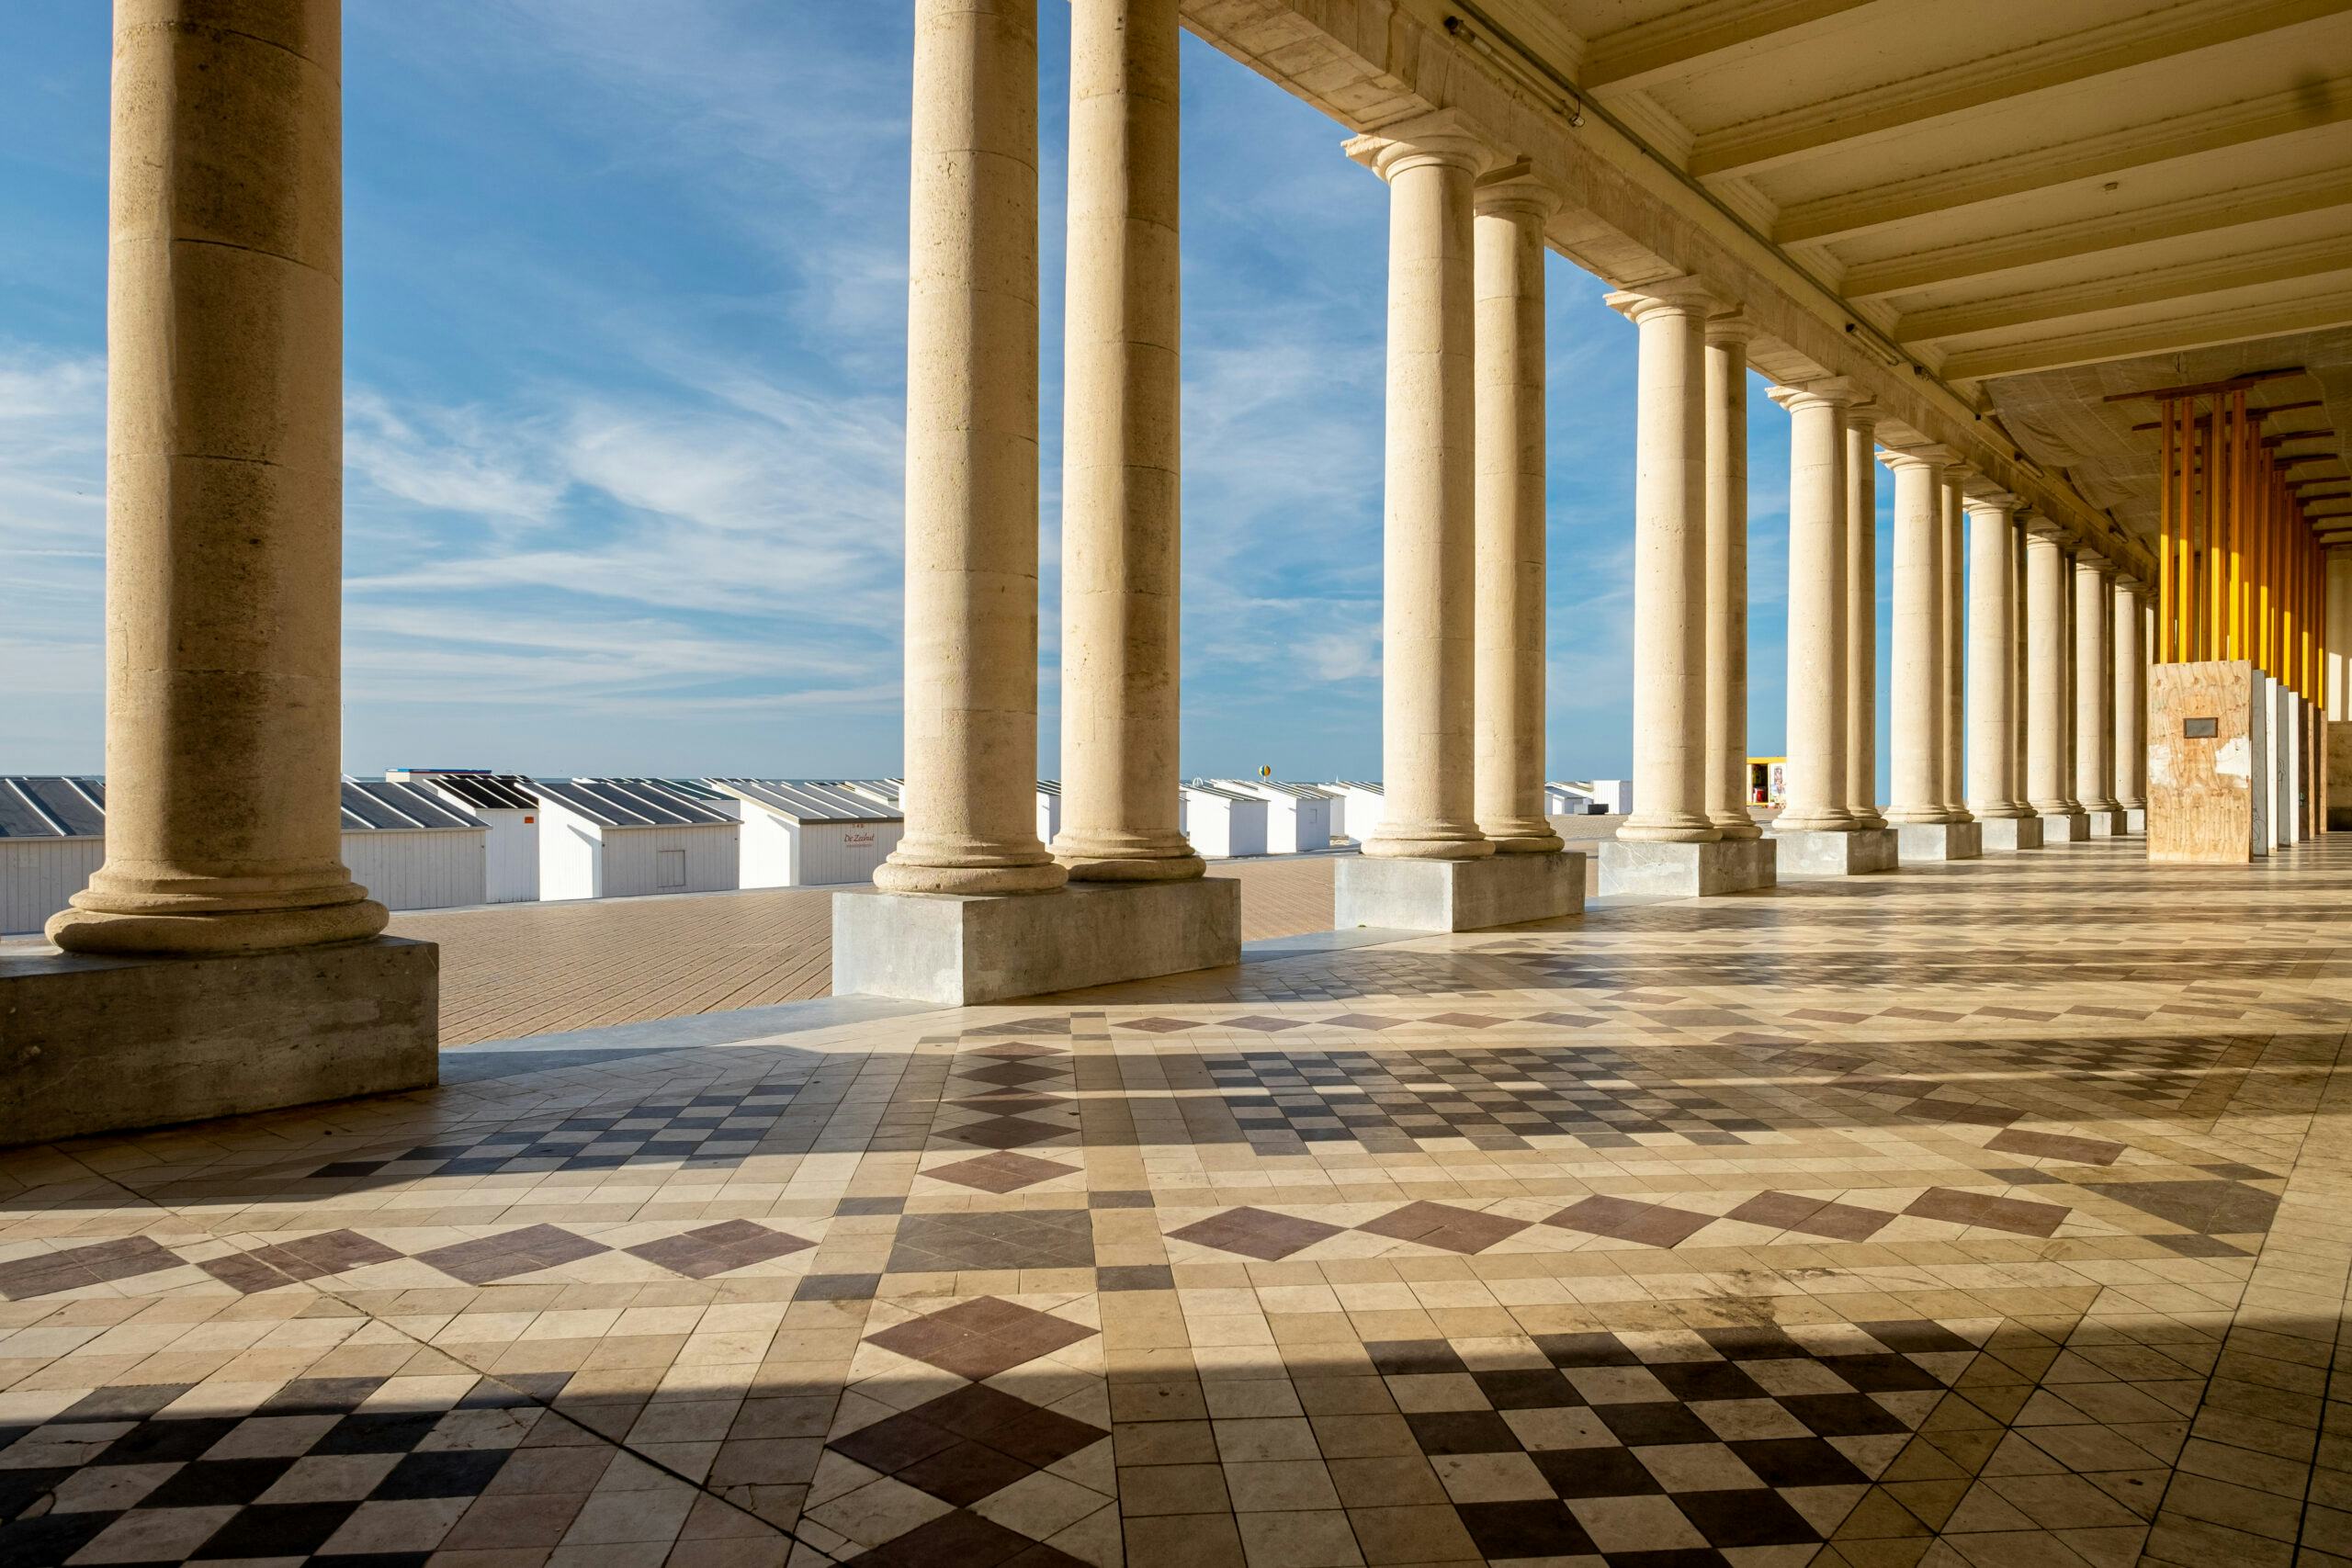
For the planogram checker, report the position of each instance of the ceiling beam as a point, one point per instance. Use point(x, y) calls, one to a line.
point(1861, 118)
point(2241, 325)
point(2215, 213)
point(1698, 37)
point(2285, 263)
point(2238, 125)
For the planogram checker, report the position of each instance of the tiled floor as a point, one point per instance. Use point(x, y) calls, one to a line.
point(1985, 1213)
point(518, 969)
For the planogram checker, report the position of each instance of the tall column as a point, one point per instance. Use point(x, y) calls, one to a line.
point(1670, 759)
point(2046, 695)
point(1917, 709)
point(1727, 653)
point(1952, 617)
point(2070, 682)
point(1508, 266)
point(1430, 554)
point(1818, 780)
point(1121, 451)
point(1992, 639)
point(2131, 698)
point(971, 660)
point(224, 490)
point(2093, 686)
point(1862, 615)
point(2020, 602)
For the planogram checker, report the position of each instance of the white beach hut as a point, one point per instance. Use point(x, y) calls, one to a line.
point(508, 808)
point(412, 848)
point(624, 838)
point(799, 833)
point(1049, 809)
point(1356, 806)
point(1223, 823)
point(52, 836)
point(1298, 816)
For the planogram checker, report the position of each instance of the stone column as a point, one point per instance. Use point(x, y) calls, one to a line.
point(2045, 696)
point(2020, 602)
point(1862, 615)
point(971, 658)
point(1508, 266)
point(2093, 686)
point(1121, 452)
point(1992, 640)
point(1952, 617)
point(1726, 655)
point(1917, 710)
point(1670, 759)
point(1429, 552)
point(2131, 698)
point(224, 490)
point(1819, 781)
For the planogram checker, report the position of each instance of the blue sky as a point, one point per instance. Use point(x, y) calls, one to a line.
point(625, 370)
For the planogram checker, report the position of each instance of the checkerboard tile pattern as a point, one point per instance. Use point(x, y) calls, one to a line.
point(1989, 1214)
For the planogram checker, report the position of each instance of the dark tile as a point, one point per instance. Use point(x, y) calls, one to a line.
point(1882, 1374)
point(1134, 1277)
point(1120, 1200)
point(1751, 1516)
point(1692, 1381)
point(1597, 1349)
point(713, 1250)
point(276, 1530)
point(1625, 1219)
point(1405, 1358)
point(1842, 1415)
point(2057, 1146)
point(1648, 1424)
point(1541, 1528)
point(837, 1287)
point(389, 1432)
point(979, 1339)
point(166, 1442)
point(961, 1538)
point(1462, 1432)
point(2014, 1214)
point(1753, 1343)
point(320, 1396)
point(1256, 1232)
point(1814, 1216)
point(894, 1442)
point(493, 1257)
point(206, 1484)
point(964, 1472)
point(1444, 1226)
point(449, 1472)
point(1526, 1390)
point(1021, 1238)
point(73, 1266)
point(1595, 1473)
point(1915, 1336)
point(1002, 1171)
point(123, 1402)
point(871, 1206)
point(1005, 1133)
point(1797, 1461)
point(50, 1538)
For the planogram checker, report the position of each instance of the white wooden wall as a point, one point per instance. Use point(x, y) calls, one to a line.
point(633, 859)
point(38, 875)
point(419, 868)
point(513, 852)
point(833, 854)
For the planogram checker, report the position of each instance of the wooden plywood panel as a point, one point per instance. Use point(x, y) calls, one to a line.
point(2201, 762)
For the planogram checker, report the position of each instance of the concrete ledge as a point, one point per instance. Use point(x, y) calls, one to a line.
point(2010, 832)
point(106, 1045)
point(2066, 829)
point(1687, 870)
point(1858, 853)
point(1940, 841)
point(1457, 895)
point(957, 949)
point(2110, 824)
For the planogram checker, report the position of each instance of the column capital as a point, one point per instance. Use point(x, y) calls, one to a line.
point(2038, 526)
point(1516, 190)
point(1682, 296)
point(1830, 391)
point(1930, 456)
point(2091, 560)
point(2001, 502)
point(1734, 325)
point(1440, 136)
point(1958, 474)
point(2131, 580)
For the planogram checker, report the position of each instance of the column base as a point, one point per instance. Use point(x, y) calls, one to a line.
point(961, 949)
point(2065, 827)
point(1456, 895)
point(2135, 821)
point(2108, 824)
point(1858, 853)
point(109, 1044)
point(2010, 832)
point(1940, 841)
point(1687, 870)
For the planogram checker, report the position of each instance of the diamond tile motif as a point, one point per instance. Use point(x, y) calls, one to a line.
point(1626, 1219)
point(1815, 1216)
point(965, 1446)
point(502, 1256)
point(76, 1268)
point(712, 1250)
point(1256, 1232)
point(1025, 1238)
point(981, 1337)
point(1444, 1226)
point(1000, 1172)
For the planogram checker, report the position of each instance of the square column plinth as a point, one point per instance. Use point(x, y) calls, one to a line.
point(2114, 824)
point(106, 1045)
point(1456, 895)
point(2135, 821)
point(957, 949)
point(1857, 854)
point(2010, 832)
point(1940, 841)
point(2065, 828)
point(1687, 870)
